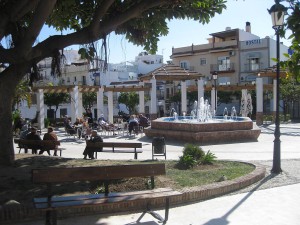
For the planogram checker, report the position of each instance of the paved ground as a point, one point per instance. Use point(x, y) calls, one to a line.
point(274, 200)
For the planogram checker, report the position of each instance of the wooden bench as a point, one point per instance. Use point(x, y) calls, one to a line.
point(39, 144)
point(98, 147)
point(53, 176)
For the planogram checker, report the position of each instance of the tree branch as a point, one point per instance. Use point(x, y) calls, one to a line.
point(100, 12)
point(41, 14)
point(17, 11)
point(46, 48)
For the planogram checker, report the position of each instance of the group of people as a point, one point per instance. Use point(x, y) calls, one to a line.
point(81, 127)
point(135, 121)
point(32, 134)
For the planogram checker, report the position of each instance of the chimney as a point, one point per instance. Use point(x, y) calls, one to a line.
point(248, 27)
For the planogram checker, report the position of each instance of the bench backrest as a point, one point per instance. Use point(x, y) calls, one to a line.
point(40, 143)
point(114, 144)
point(60, 175)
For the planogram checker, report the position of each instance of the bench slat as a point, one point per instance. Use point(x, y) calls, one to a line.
point(108, 200)
point(57, 175)
point(123, 151)
point(114, 144)
point(96, 196)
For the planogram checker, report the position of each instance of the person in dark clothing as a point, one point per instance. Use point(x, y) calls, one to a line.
point(50, 135)
point(33, 135)
point(89, 116)
point(143, 121)
point(89, 151)
point(133, 122)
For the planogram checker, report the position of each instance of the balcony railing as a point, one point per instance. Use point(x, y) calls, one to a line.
point(248, 67)
point(228, 67)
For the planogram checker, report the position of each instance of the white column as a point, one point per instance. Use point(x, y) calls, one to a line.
point(141, 100)
point(100, 105)
point(200, 89)
point(74, 104)
point(183, 98)
point(274, 94)
point(41, 109)
point(153, 108)
point(244, 103)
point(110, 107)
point(259, 95)
point(80, 105)
point(213, 99)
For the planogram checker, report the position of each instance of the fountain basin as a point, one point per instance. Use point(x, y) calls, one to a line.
point(218, 130)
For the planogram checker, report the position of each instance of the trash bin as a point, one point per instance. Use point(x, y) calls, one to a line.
point(158, 147)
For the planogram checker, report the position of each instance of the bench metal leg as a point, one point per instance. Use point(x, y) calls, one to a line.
point(51, 217)
point(156, 215)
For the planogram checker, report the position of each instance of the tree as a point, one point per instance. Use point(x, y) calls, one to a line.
point(292, 64)
point(88, 100)
point(141, 21)
point(56, 99)
point(22, 93)
point(290, 92)
point(130, 99)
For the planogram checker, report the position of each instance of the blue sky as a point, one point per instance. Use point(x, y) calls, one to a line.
point(187, 32)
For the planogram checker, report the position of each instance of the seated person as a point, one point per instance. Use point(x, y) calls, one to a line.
point(86, 131)
point(101, 118)
point(143, 121)
point(33, 135)
point(50, 135)
point(107, 126)
point(90, 151)
point(132, 123)
point(69, 128)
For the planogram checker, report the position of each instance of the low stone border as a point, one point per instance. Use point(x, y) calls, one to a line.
point(14, 213)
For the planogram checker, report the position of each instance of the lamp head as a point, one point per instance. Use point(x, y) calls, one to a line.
point(214, 75)
point(277, 12)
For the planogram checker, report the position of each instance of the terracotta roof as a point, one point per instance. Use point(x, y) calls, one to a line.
point(172, 72)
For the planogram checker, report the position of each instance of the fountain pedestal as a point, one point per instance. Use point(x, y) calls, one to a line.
point(226, 131)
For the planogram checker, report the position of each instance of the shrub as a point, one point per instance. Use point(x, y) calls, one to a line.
point(208, 158)
point(193, 150)
point(192, 155)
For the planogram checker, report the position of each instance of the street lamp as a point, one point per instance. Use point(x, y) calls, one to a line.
point(277, 12)
point(215, 78)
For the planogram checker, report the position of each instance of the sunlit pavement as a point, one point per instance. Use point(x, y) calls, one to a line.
point(274, 206)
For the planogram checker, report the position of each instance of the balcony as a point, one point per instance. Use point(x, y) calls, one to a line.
point(248, 67)
point(222, 68)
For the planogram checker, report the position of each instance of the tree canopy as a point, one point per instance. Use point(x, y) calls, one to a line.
point(142, 22)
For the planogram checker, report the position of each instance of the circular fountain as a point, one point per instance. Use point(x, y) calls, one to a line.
point(204, 127)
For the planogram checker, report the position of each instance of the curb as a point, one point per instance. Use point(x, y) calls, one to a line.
point(17, 213)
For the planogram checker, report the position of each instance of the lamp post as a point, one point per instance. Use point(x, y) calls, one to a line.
point(215, 78)
point(277, 12)
point(179, 105)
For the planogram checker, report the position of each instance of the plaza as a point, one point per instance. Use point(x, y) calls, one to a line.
point(273, 200)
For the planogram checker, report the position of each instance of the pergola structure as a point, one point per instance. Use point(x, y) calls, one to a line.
point(170, 72)
point(167, 72)
point(76, 98)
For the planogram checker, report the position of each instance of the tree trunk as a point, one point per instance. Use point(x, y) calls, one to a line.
point(7, 154)
point(8, 82)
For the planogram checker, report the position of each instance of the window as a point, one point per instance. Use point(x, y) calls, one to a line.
point(254, 64)
point(184, 64)
point(224, 63)
point(203, 61)
point(84, 80)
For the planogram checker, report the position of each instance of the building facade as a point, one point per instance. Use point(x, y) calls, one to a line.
point(236, 55)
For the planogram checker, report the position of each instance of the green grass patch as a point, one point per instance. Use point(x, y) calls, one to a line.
point(206, 174)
